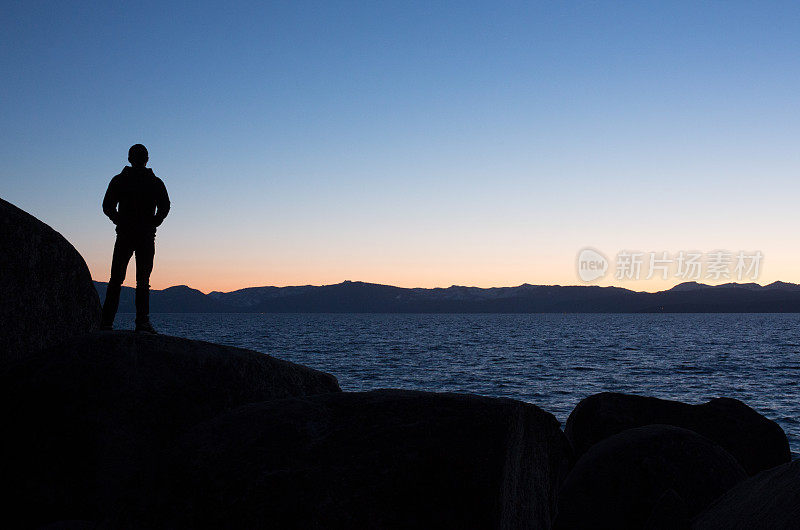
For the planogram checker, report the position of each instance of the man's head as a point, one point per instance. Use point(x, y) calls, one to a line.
point(137, 155)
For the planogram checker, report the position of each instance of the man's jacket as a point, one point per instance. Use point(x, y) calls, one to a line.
point(136, 201)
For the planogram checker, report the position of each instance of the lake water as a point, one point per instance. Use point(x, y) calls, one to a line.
point(551, 360)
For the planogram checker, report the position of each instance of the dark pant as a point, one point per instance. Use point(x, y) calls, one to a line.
point(144, 246)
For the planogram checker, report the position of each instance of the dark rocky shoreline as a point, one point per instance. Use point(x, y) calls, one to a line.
point(126, 430)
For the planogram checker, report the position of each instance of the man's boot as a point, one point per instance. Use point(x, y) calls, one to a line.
point(143, 310)
point(110, 306)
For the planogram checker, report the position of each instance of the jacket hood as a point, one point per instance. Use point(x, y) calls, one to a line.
point(133, 170)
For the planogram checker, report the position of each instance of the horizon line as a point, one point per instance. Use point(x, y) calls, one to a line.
point(585, 284)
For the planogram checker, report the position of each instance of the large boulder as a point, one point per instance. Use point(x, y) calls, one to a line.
point(83, 420)
point(755, 441)
point(381, 459)
point(46, 292)
point(653, 476)
point(768, 501)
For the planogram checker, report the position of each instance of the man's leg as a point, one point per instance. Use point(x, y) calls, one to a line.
point(119, 263)
point(145, 252)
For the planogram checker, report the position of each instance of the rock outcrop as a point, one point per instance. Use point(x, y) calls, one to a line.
point(84, 420)
point(381, 459)
point(755, 441)
point(126, 430)
point(768, 501)
point(657, 475)
point(46, 291)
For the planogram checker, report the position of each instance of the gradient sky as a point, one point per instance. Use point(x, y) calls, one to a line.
point(410, 143)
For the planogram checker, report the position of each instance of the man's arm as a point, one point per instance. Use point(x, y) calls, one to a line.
point(162, 203)
point(110, 202)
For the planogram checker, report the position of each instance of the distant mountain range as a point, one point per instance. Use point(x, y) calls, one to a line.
point(360, 297)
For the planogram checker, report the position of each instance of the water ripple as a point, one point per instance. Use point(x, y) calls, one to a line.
point(551, 360)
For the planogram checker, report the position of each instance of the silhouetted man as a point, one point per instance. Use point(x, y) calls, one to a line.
point(137, 202)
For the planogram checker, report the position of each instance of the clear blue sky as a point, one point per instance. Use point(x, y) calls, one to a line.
point(413, 143)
